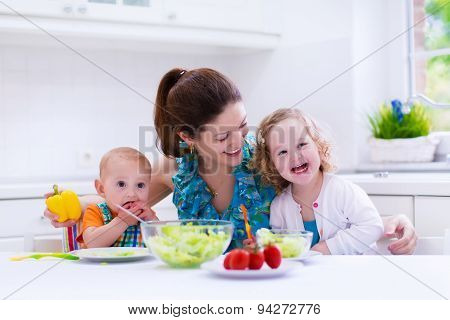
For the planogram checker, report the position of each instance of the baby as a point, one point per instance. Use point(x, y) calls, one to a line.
point(124, 180)
point(294, 157)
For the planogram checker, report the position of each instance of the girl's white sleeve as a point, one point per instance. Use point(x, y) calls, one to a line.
point(276, 215)
point(363, 219)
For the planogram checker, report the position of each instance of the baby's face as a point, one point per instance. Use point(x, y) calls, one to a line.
point(124, 182)
point(293, 152)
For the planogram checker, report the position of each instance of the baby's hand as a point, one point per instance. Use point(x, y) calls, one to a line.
point(148, 214)
point(143, 211)
point(127, 218)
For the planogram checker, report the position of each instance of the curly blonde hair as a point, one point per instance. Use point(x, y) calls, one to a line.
point(262, 161)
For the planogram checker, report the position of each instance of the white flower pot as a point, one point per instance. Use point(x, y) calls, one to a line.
point(420, 149)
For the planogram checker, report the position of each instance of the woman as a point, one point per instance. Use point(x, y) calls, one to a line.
point(201, 125)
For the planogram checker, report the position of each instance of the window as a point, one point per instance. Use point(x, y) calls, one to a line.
point(430, 56)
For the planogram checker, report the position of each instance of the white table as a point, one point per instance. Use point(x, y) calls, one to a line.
point(322, 277)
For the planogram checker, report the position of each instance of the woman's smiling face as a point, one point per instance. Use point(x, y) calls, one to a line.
point(293, 151)
point(219, 143)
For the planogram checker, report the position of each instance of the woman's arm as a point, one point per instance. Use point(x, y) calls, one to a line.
point(161, 184)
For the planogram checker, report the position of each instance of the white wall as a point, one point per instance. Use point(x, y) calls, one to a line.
point(382, 76)
point(54, 105)
point(316, 46)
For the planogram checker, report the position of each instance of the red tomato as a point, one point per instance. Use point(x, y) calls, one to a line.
point(239, 259)
point(256, 259)
point(226, 262)
point(272, 255)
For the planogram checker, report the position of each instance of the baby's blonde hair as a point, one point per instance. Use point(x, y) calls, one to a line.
point(127, 154)
point(262, 160)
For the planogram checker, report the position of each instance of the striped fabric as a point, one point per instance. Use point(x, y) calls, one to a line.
point(69, 237)
point(130, 238)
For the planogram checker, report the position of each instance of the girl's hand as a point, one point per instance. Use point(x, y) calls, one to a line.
point(54, 218)
point(322, 248)
point(249, 244)
point(401, 228)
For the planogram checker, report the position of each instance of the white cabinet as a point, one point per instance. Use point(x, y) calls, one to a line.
point(244, 15)
point(432, 215)
point(179, 25)
point(15, 244)
point(146, 11)
point(393, 205)
point(43, 8)
point(136, 11)
point(23, 227)
point(21, 217)
point(220, 14)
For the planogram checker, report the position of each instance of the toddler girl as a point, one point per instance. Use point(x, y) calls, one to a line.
point(294, 157)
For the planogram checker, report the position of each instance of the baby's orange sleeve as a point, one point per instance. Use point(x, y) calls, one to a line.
point(92, 217)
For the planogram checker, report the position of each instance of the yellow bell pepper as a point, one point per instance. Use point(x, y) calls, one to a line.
point(65, 205)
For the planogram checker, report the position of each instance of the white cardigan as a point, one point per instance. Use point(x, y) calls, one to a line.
point(346, 218)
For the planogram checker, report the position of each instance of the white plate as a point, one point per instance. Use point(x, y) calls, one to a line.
point(216, 267)
point(112, 254)
point(305, 256)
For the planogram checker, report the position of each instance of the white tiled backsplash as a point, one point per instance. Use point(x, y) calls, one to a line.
point(55, 105)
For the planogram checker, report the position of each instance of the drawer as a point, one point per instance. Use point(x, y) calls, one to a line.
point(20, 217)
point(432, 216)
point(15, 244)
point(393, 205)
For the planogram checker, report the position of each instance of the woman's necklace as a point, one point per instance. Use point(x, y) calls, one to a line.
point(212, 191)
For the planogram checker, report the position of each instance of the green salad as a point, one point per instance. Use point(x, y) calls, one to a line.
point(188, 246)
point(291, 245)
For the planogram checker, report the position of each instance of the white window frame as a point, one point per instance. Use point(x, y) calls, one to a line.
point(412, 55)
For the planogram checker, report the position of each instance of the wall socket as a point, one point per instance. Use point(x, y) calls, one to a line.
point(86, 159)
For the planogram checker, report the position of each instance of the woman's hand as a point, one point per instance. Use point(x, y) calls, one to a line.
point(54, 218)
point(84, 201)
point(401, 228)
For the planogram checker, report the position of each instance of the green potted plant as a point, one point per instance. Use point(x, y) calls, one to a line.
point(400, 133)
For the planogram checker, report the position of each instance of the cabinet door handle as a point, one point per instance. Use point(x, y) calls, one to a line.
point(82, 9)
point(68, 8)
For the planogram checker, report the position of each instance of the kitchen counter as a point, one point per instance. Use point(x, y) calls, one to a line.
point(413, 184)
point(37, 188)
point(433, 184)
point(321, 277)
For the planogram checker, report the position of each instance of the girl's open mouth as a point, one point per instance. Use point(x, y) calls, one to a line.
point(300, 169)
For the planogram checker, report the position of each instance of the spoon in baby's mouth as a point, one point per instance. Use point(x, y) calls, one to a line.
point(130, 213)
